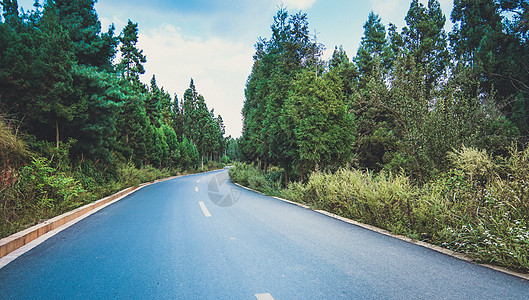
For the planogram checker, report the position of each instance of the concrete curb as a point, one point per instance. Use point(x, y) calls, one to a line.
point(439, 249)
point(22, 238)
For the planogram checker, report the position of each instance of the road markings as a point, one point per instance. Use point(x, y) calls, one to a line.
point(265, 296)
point(204, 209)
point(198, 181)
point(196, 188)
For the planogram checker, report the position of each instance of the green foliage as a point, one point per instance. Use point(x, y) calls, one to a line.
point(131, 176)
point(277, 62)
point(250, 176)
point(93, 128)
point(132, 58)
point(487, 220)
point(232, 149)
point(425, 39)
point(200, 125)
point(39, 192)
point(476, 164)
point(373, 48)
point(13, 150)
point(315, 119)
point(80, 20)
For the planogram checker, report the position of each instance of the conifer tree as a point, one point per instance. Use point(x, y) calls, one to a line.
point(345, 69)
point(153, 104)
point(372, 47)
point(80, 20)
point(426, 41)
point(132, 59)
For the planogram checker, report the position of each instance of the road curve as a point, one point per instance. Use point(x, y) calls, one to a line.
point(201, 237)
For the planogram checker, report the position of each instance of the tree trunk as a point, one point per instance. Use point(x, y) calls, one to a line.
point(57, 133)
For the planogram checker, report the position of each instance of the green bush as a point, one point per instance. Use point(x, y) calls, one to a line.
point(480, 207)
point(384, 200)
point(40, 192)
point(129, 175)
point(254, 178)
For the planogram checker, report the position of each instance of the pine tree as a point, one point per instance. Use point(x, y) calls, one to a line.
point(276, 63)
point(80, 20)
point(372, 47)
point(153, 104)
point(496, 54)
point(315, 119)
point(132, 58)
point(345, 69)
point(10, 13)
point(426, 40)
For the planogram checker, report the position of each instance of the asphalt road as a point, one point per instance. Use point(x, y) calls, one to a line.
point(200, 237)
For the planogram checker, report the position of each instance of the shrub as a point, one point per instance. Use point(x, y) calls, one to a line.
point(470, 209)
point(477, 164)
point(250, 176)
point(39, 193)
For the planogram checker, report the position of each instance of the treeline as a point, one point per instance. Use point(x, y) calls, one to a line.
point(402, 103)
point(59, 81)
point(76, 112)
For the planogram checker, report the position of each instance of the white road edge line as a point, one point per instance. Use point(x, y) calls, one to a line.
point(265, 296)
point(204, 209)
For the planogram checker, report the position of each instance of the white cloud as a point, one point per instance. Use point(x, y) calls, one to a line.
point(117, 22)
point(299, 4)
point(387, 8)
point(219, 68)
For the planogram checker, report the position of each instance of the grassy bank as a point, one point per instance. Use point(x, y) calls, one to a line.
point(37, 192)
point(480, 207)
point(39, 181)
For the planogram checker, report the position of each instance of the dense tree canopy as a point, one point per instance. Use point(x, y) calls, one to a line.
point(59, 81)
point(407, 99)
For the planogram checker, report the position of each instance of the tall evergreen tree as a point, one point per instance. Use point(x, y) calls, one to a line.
point(132, 59)
point(315, 118)
point(496, 53)
point(153, 104)
point(372, 46)
point(80, 20)
point(346, 70)
point(276, 63)
point(10, 13)
point(426, 40)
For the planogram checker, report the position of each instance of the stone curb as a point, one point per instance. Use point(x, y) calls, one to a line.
point(22, 238)
point(439, 249)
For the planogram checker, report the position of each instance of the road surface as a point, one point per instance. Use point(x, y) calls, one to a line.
point(201, 237)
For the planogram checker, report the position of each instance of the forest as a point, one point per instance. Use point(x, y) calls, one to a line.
point(76, 122)
point(422, 132)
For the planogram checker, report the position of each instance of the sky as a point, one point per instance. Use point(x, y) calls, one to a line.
point(212, 41)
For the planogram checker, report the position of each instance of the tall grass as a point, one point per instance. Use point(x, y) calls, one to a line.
point(480, 207)
point(250, 176)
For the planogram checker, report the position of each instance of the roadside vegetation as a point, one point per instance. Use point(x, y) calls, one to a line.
point(423, 132)
point(37, 186)
point(479, 207)
point(77, 124)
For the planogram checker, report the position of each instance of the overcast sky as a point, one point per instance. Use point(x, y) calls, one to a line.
point(212, 41)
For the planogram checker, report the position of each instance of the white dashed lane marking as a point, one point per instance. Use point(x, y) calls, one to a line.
point(204, 209)
point(265, 296)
